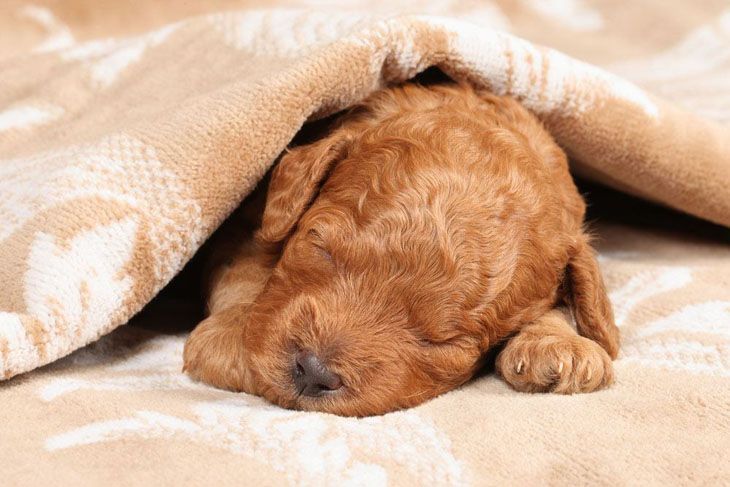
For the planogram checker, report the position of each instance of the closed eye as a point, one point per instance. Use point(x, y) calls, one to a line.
point(428, 341)
point(318, 242)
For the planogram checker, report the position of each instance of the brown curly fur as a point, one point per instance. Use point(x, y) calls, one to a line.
point(433, 224)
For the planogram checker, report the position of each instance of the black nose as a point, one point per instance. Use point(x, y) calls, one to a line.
point(312, 377)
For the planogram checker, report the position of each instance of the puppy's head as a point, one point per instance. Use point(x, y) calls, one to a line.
point(350, 321)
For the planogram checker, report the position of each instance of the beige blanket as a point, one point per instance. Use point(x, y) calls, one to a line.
point(130, 130)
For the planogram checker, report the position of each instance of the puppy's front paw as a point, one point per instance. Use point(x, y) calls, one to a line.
point(194, 353)
point(555, 363)
point(214, 353)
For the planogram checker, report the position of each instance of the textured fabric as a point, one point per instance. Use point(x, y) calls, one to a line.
point(130, 130)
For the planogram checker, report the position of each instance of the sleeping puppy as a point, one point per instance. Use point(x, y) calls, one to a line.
point(433, 224)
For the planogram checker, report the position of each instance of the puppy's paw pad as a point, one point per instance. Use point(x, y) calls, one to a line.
point(558, 364)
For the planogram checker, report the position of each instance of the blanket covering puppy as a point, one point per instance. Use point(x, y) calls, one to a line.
point(447, 222)
point(103, 204)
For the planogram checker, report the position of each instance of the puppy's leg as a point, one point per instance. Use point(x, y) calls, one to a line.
point(214, 351)
point(548, 355)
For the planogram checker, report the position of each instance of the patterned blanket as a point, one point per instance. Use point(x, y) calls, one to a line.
point(130, 130)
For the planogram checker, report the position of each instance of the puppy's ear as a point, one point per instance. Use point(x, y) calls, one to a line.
point(588, 298)
point(295, 183)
